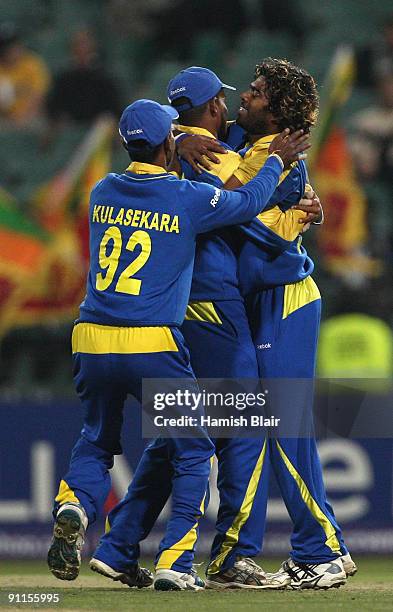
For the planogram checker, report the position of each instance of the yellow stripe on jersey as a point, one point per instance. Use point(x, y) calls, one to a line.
point(284, 224)
point(254, 159)
point(202, 311)
point(170, 556)
point(187, 542)
point(330, 532)
point(232, 535)
point(229, 162)
point(102, 339)
point(298, 295)
point(66, 494)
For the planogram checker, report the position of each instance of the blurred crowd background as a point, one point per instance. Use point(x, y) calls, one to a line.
point(68, 67)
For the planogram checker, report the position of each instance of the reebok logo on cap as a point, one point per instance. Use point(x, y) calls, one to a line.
point(197, 84)
point(148, 121)
point(176, 91)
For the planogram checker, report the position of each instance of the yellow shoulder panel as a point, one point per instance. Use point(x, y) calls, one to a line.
point(229, 162)
point(252, 162)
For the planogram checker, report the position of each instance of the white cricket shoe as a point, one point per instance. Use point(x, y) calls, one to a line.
point(135, 576)
point(169, 580)
point(246, 574)
point(315, 575)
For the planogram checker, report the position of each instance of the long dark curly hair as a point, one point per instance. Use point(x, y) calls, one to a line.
point(291, 92)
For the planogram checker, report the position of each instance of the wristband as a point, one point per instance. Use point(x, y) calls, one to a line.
point(276, 155)
point(322, 219)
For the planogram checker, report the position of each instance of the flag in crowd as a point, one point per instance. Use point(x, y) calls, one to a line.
point(344, 236)
point(44, 255)
point(24, 246)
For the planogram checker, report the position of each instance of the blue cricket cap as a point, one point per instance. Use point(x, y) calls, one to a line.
point(146, 120)
point(197, 84)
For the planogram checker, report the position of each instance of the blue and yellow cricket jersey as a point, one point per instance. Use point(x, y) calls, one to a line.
point(143, 227)
point(272, 253)
point(262, 240)
point(215, 268)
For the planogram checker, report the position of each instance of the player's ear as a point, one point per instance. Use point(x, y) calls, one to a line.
point(213, 106)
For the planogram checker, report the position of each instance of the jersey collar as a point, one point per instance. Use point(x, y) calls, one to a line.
point(142, 168)
point(265, 141)
point(187, 129)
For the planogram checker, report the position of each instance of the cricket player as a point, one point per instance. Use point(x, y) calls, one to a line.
point(143, 227)
point(284, 304)
point(256, 263)
point(220, 342)
point(218, 335)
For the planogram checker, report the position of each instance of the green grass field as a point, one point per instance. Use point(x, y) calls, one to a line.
point(370, 589)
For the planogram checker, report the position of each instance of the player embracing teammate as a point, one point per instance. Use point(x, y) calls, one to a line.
point(143, 226)
point(281, 309)
point(251, 286)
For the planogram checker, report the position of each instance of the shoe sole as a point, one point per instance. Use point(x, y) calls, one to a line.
point(163, 584)
point(166, 585)
point(116, 576)
point(221, 586)
point(63, 559)
point(317, 587)
point(99, 568)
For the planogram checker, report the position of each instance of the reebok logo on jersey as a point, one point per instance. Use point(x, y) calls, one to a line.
point(132, 132)
point(267, 345)
point(214, 200)
point(176, 91)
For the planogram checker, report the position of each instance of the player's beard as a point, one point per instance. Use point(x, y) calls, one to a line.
point(253, 125)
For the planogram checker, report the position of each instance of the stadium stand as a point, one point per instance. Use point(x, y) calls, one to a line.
point(142, 70)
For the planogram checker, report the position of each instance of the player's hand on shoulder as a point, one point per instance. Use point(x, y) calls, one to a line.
point(290, 147)
point(198, 151)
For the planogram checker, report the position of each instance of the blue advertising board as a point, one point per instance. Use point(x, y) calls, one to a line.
point(36, 439)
